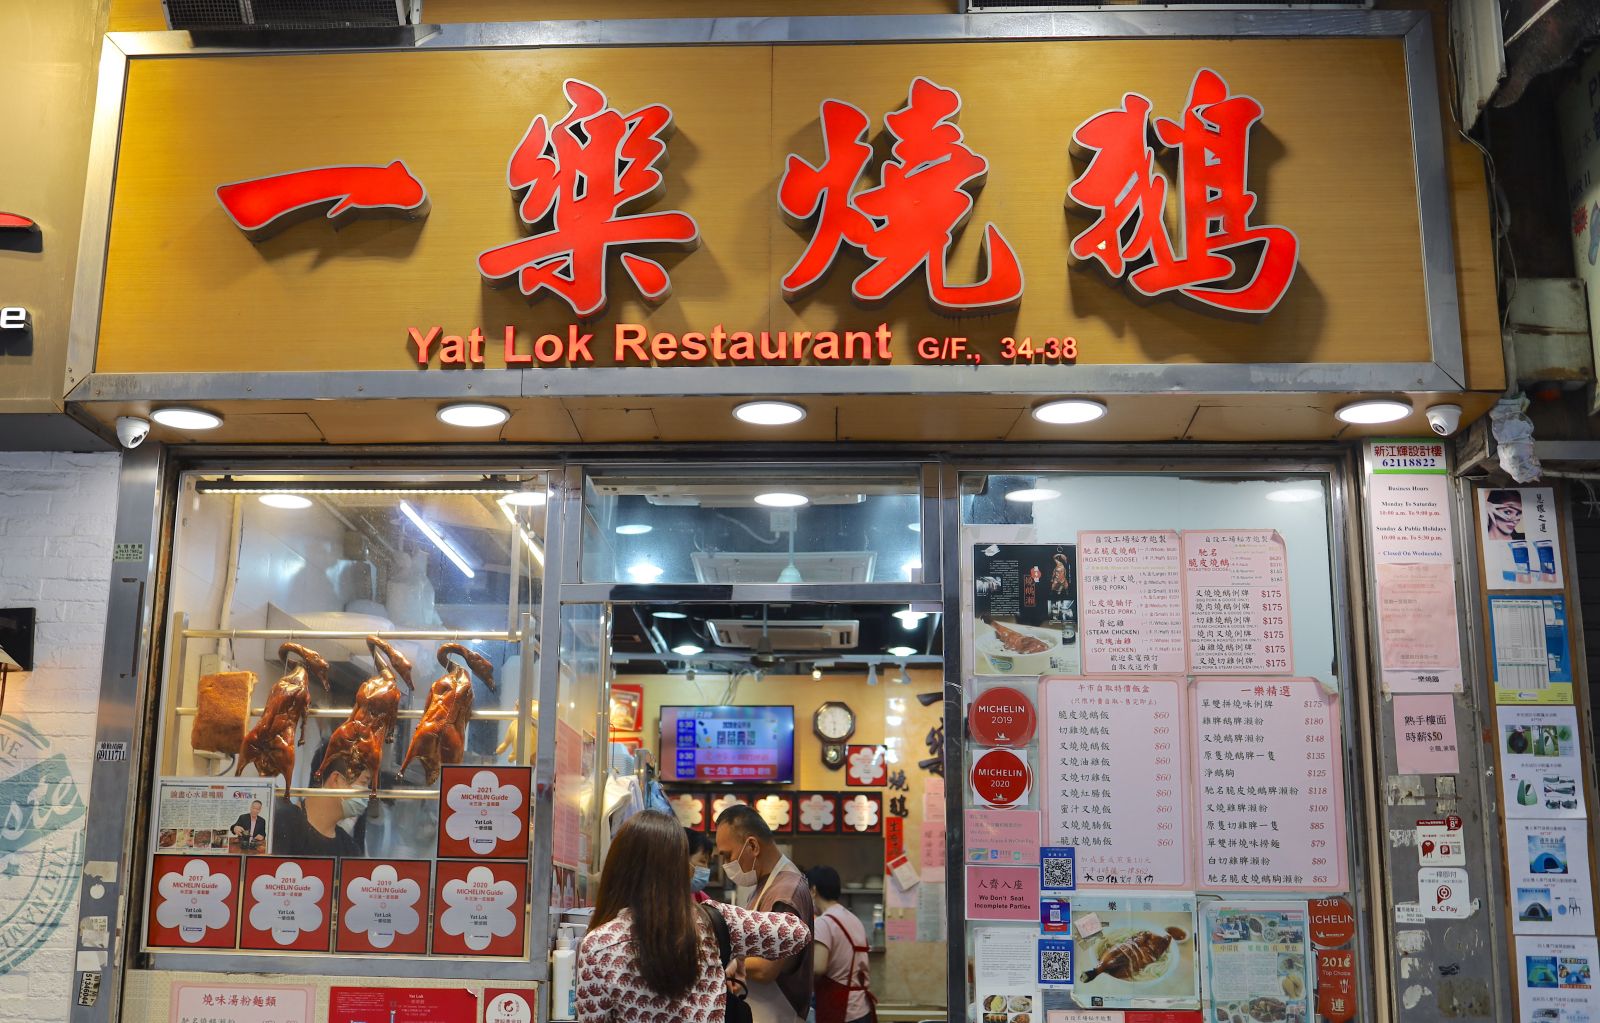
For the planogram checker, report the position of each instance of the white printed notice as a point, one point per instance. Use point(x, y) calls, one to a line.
point(1540, 768)
point(1414, 565)
point(1113, 758)
point(1236, 597)
point(1130, 606)
point(1556, 980)
point(1548, 866)
point(1271, 790)
point(1004, 977)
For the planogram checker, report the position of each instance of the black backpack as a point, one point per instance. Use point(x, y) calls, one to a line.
point(735, 1008)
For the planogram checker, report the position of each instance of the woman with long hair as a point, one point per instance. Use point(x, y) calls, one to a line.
point(650, 952)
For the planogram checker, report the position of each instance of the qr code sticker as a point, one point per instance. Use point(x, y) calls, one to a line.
point(1055, 962)
point(1058, 869)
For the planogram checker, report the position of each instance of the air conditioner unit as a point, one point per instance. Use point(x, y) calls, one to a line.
point(785, 637)
point(218, 15)
point(767, 566)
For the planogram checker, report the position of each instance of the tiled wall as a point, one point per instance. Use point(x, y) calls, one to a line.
point(57, 513)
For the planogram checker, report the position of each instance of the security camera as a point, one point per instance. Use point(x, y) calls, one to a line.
point(1444, 419)
point(131, 431)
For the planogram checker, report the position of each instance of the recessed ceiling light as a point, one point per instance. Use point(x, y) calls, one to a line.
point(688, 649)
point(1069, 412)
point(769, 413)
point(524, 498)
point(1293, 495)
point(781, 499)
point(473, 415)
point(910, 618)
point(186, 418)
point(1381, 410)
point(1033, 495)
point(633, 529)
point(644, 572)
point(288, 502)
point(902, 651)
point(669, 615)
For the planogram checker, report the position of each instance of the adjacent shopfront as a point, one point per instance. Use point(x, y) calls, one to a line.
point(1050, 602)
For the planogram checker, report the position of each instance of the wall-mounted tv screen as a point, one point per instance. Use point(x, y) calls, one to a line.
point(742, 745)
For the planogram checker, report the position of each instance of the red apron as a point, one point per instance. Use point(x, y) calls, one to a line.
point(833, 998)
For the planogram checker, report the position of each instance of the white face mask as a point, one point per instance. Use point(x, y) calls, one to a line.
point(738, 875)
point(354, 806)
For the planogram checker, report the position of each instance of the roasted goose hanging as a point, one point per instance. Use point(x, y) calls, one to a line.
point(441, 736)
point(269, 746)
point(359, 740)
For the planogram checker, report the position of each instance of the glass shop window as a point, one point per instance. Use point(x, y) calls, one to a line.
point(1156, 813)
point(753, 524)
point(347, 715)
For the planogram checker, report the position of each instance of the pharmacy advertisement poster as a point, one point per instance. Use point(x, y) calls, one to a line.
point(1520, 532)
point(1143, 955)
point(1257, 962)
point(1548, 874)
point(1540, 767)
point(1555, 980)
point(1005, 974)
point(1530, 649)
point(1131, 606)
point(1236, 602)
point(1025, 609)
point(1114, 759)
point(1266, 767)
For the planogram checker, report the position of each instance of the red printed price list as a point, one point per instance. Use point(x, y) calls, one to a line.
point(1113, 758)
point(1236, 594)
point(1271, 793)
point(1130, 589)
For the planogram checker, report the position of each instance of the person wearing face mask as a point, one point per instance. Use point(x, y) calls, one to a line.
point(312, 827)
point(700, 853)
point(768, 881)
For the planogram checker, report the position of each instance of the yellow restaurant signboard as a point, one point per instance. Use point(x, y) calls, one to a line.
point(1055, 205)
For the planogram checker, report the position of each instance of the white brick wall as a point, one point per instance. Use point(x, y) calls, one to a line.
point(57, 516)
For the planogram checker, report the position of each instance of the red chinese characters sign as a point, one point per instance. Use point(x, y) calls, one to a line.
point(586, 182)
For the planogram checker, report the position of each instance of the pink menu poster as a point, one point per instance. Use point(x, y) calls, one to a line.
point(1268, 777)
point(1130, 606)
point(1414, 565)
point(1236, 595)
point(567, 827)
point(1114, 760)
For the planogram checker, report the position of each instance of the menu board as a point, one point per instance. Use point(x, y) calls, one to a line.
point(1114, 758)
point(1131, 602)
point(1540, 768)
point(1236, 595)
point(1267, 768)
point(1139, 953)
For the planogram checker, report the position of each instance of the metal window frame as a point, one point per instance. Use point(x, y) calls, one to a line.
point(1443, 373)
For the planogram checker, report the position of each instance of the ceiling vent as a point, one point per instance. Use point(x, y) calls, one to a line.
point(726, 567)
point(785, 637)
point(220, 15)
